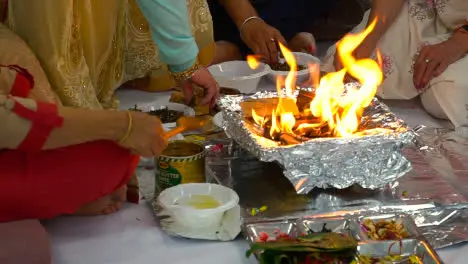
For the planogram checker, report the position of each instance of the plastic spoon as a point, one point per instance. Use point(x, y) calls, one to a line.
point(187, 123)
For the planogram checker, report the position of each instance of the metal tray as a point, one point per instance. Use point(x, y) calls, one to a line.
point(414, 247)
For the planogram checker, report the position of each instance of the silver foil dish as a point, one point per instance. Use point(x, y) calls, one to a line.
point(371, 161)
point(409, 250)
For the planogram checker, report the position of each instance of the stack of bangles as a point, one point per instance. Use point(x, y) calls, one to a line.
point(187, 74)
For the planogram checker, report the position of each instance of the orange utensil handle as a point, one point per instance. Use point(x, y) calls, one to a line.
point(172, 133)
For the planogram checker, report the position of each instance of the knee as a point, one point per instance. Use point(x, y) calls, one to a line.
point(432, 106)
point(226, 51)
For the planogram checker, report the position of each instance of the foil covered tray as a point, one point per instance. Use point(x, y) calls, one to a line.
point(371, 161)
point(413, 249)
point(434, 193)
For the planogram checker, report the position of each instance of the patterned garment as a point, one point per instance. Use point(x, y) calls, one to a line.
point(421, 23)
point(89, 48)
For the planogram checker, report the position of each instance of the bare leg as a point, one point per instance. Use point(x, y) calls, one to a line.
point(226, 51)
point(105, 205)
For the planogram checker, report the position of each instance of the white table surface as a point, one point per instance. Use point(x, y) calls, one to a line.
point(133, 236)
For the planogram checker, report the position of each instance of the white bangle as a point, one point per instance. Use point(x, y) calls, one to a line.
point(247, 21)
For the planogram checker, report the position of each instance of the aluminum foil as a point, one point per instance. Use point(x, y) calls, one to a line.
point(434, 193)
point(414, 245)
point(369, 161)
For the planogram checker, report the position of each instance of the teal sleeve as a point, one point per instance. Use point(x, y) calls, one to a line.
point(171, 31)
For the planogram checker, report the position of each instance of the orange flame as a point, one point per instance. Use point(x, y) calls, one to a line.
point(339, 108)
point(252, 61)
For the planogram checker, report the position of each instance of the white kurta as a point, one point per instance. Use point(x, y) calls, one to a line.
point(420, 23)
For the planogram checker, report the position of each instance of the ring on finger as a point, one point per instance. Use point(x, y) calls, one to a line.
point(427, 60)
point(273, 40)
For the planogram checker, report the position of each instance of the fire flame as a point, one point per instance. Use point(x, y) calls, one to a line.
point(336, 107)
point(252, 61)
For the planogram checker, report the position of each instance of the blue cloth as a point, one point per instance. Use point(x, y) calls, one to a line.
point(171, 31)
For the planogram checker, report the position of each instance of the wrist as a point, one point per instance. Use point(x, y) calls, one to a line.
point(460, 39)
point(116, 125)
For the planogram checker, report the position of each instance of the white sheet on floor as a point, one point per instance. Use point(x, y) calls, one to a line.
point(133, 236)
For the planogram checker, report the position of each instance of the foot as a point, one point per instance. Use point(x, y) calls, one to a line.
point(108, 204)
point(303, 42)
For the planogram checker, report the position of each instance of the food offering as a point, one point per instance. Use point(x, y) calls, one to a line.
point(168, 113)
point(284, 66)
point(333, 240)
point(385, 229)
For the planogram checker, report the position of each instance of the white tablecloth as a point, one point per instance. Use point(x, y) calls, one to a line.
point(133, 236)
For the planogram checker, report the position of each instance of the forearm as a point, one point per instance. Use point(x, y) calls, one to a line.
point(386, 12)
point(83, 125)
point(33, 126)
point(171, 31)
point(239, 10)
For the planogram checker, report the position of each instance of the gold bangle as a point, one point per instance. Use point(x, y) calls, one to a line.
point(129, 128)
point(187, 74)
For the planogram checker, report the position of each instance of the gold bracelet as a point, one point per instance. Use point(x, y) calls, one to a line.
point(187, 74)
point(129, 128)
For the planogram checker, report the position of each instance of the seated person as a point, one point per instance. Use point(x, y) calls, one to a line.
point(424, 46)
point(244, 26)
point(57, 160)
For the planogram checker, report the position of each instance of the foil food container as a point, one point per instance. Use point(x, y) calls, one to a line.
point(434, 193)
point(369, 161)
point(415, 245)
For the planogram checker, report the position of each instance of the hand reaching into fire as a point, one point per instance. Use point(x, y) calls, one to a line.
point(261, 39)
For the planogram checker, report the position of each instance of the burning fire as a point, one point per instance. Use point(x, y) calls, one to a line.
point(332, 106)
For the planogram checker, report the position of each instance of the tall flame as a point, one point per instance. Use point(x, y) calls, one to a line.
point(339, 108)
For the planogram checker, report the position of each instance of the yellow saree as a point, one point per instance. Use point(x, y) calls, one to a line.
point(89, 48)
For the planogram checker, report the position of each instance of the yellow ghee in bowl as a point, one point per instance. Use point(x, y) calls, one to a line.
point(198, 201)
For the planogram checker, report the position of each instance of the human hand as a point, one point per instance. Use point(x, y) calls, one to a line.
point(433, 60)
point(303, 42)
point(146, 137)
point(261, 38)
point(205, 80)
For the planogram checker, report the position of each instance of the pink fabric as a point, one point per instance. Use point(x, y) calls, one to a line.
point(24, 242)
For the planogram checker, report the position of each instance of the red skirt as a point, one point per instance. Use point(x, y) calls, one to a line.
point(50, 183)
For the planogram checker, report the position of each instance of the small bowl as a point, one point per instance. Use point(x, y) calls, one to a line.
point(301, 76)
point(192, 222)
point(238, 75)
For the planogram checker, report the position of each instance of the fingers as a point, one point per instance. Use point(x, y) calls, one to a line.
point(212, 93)
point(431, 66)
point(187, 90)
point(273, 51)
point(420, 68)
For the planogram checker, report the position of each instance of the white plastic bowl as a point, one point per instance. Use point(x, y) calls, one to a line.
point(301, 76)
point(199, 223)
point(238, 75)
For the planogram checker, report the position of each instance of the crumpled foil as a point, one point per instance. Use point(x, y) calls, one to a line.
point(369, 161)
point(434, 193)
